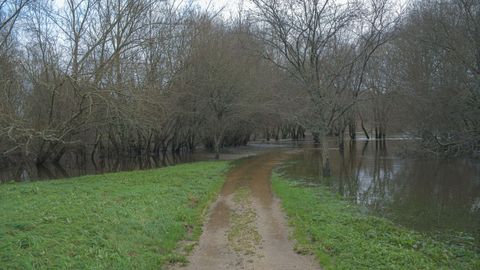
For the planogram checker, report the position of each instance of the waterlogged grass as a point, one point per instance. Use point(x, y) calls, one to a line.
point(113, 221)
point(341, 237)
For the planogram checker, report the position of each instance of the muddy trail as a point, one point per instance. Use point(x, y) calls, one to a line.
point(246, 228)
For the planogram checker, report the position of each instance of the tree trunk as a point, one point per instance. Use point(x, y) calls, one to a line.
point(352, 129)
point(316, 137)
point(363, 127)
point(59, 155)
point(326, 172)
point(216, 145)
point(341, 142)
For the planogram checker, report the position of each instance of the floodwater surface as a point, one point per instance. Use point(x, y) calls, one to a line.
point(73, 165)
point(426, 194)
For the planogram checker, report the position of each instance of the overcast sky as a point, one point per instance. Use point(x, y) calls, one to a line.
point(230, 7)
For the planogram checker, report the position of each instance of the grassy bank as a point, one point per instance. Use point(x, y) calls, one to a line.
point(114, 221)
point(341, 237)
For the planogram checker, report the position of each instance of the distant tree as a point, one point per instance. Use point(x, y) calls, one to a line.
point(439, 74)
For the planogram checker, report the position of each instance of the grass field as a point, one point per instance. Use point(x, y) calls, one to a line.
point(114, 221)
point(341, 237)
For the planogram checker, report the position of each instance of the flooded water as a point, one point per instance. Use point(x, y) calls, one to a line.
point(429, 195)
point(80, 165)
point(73, 165)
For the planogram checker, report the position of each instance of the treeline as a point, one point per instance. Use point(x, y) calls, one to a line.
point(128, 77)
point(148, 77)
point(433, 65)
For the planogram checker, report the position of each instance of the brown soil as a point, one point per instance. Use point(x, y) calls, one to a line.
point(246, 228)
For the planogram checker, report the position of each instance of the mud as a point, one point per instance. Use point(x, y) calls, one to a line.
point(246, 228)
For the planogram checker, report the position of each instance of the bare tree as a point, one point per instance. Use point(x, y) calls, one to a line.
point(10, 11)
point(313, 40)
point(439, 70)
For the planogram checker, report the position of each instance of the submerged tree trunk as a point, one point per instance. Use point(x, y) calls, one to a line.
point(216, 146)
point(326, 172)
point(363, 127)
point(341, 140)
point(316, 137)
point(352, 128)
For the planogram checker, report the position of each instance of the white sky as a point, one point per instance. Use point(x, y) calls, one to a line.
point(230, 7)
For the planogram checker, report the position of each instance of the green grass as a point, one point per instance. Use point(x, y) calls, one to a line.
point(341, 237)
point(114, 221)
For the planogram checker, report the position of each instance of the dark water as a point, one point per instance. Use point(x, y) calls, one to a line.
point(73, 165)
point(429, 195)
point(77, 165)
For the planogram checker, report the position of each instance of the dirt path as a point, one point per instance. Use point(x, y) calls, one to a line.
point(246, 228)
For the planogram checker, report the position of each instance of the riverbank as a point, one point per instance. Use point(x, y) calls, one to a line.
point(341, 237)
point(113, 221)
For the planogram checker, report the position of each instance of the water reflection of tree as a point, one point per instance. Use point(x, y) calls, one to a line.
point(423, 194)
point(365, 177)
point(76, 165)
point(438, 195)
point(379, 188)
